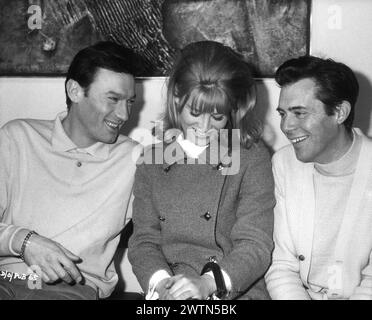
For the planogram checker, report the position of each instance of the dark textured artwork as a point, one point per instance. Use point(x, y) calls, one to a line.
point(41, 37)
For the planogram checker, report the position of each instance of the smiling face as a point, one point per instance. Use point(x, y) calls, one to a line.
point(97, 114)
point(201, 128)
point(316, 136)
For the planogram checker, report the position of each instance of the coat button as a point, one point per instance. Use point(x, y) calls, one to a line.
point(173, 265)
point(301, 257)
point(161, 218)
point(78, 164)
point(219, 166)
point(212, 259)
point(207, 216)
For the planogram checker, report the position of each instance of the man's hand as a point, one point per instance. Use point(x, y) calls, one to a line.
point(182, 287)
point(55, 261)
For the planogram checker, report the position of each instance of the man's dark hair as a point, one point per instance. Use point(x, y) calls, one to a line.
point(335, 81)
point(105, 54)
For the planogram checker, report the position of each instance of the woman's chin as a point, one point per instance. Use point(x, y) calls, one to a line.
point(200, 142)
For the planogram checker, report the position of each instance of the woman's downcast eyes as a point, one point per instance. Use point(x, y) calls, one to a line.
point(215, 116)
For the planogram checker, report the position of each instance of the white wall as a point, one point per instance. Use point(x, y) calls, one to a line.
point(341, 29)
point(43, 97)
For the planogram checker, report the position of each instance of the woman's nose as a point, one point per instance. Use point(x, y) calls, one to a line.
point(204, 123)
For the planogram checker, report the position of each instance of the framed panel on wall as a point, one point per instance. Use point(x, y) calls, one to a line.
point(40, 37)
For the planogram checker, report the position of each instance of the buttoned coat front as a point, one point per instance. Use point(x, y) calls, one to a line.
point(186, 214)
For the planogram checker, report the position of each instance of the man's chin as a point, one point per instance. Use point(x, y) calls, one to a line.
point(111, 139)
point(303, 158)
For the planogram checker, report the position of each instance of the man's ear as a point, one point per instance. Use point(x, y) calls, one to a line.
point(74, 90)
point(343, 111)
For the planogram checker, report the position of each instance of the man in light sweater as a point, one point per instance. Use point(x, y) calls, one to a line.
point(65, 185)
point(323, 187)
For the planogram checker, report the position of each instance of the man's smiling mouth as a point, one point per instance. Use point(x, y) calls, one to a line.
point(298, 139)
point(112, 124)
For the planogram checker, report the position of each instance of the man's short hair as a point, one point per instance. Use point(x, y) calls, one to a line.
point(335, 81)
point(105, 54)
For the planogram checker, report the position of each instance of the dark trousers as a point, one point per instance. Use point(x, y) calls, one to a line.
point(21, 290)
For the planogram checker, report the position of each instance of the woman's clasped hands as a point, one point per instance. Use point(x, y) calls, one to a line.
point(181, 287)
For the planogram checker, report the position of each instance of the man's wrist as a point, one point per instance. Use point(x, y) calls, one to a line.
point(25, 243)
point(17, 240)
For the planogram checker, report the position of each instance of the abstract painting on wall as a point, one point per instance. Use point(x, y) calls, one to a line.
point(39, 37)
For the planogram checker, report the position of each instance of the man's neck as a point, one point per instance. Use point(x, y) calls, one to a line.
point(339, 147)
point(346, 163)
point(69, 124)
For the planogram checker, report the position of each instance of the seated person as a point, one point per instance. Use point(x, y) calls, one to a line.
point(323, 187)
point(203, 218)
point(65, 185)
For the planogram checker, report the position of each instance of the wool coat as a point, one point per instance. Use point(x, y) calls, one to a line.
point(184, 215)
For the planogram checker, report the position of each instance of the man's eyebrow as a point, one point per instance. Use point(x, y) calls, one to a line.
point(294, 108)
point(114, 92)
point(120, 95)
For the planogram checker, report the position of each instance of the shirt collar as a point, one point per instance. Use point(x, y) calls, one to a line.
point(61, 142)
point(181, 156)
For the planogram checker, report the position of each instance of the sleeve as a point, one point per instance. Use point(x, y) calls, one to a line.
point(364, 290)
point(251, 233)
point(7, 231)
point(144, 249)
point(283, 277)
point(129, 212)
point(154, 280)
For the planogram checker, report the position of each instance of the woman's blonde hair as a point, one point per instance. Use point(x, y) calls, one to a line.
point(210, 77)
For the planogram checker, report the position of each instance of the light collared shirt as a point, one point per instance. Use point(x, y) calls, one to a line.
point(78, 197)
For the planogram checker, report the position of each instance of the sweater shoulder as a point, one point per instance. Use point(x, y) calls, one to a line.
point(20, 127)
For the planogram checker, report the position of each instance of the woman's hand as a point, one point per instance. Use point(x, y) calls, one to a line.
point(164, 285)
point(183, 287)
